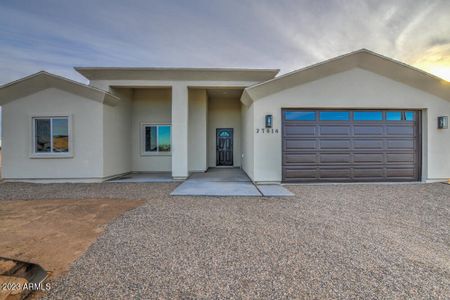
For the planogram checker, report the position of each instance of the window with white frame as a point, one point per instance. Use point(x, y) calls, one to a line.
point(156, 138)
point(51, 135)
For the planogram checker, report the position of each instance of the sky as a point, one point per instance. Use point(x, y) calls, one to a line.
point(56, 35)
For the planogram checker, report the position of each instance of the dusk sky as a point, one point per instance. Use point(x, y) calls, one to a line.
point(57, 35)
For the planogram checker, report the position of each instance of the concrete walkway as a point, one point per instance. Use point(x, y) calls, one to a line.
point(226, 182)
point(221, 175)
point(217, 182)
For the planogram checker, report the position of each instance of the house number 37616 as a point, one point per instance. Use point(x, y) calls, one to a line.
point(266, 130)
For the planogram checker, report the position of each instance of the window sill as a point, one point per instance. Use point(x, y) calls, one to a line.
point(51, 155)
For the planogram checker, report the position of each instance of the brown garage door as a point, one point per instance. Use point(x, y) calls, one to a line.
point(351, 145)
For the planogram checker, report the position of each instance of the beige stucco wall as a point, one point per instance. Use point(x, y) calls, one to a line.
point(116, 134)
point(86, 162)
point(247, 139)
point(356, 88)
point(197, 147)
point(224, 113)
point(150, 106)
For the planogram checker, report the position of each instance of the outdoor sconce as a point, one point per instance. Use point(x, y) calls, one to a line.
point(269, 121)
point(443, 122)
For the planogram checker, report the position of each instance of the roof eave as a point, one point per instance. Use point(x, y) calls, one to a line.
point(110, 99)
point(362, 58)
point(43, 80)
point(195, 74)
point(246, 98)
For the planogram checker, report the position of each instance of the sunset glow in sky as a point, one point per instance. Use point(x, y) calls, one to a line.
point(56, 35)
point(436, 62)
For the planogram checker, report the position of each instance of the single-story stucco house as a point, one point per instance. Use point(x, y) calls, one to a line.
point(357, 117)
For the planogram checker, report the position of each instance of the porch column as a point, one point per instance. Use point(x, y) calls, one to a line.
point(180, 131)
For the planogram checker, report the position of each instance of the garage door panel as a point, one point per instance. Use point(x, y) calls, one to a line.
point(303, 144)
point(347, 150)
point(335, 144)
point(368, 158)
point(335, 158)
point(368, 144)
point(302, 173)
point(334, 130)
point(401, 144)
point(371, 130)
point(337, 173)
point(400, 172)
point(405, 130)
point(401, 157)
point(293, 131)
point(368, 173)
point(301, 158)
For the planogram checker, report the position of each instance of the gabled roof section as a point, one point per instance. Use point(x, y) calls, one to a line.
point(187, 74)
point(43, 80)
point(363, 59)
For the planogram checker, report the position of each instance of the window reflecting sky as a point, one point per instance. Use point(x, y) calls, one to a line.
point(368, 116)
point(150, 138)
point(164, 135)
point(409, 116)
point(334, 115)
point(60, 127)
point(300, 115)
point(393, 116)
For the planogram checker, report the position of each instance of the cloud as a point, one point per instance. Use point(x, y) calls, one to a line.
point(439, 42)
point(436, 60)
point(57, 35)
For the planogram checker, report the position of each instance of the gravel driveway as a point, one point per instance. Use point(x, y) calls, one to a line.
point(342, 241)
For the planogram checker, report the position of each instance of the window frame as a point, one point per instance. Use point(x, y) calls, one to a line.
point(51, 154)
point(142, 139)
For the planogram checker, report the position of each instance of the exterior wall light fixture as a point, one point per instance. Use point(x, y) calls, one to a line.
point(443, 122)
point(269, 121)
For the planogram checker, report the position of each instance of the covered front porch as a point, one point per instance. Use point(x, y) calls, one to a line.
point(177, 120)
point(179, 130)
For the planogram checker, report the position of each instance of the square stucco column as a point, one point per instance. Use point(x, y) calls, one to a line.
point(180, 111)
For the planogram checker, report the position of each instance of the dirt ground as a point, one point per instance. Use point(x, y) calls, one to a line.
point(54, 233)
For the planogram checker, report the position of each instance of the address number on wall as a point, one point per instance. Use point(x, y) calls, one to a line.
point(266, 130)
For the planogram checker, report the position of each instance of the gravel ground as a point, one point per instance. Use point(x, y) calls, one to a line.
point(342, 241)
point(133, 191)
